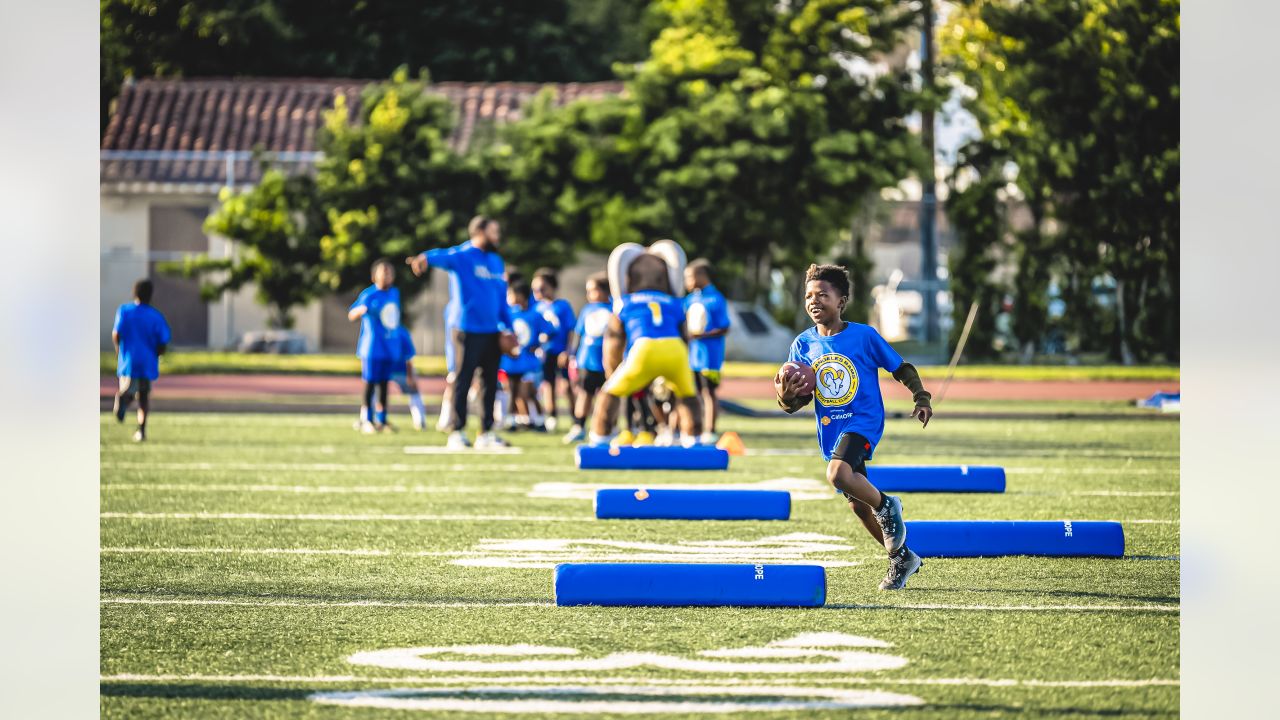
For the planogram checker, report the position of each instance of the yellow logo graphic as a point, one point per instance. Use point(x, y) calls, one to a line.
point(837, 379)
point(826, 421)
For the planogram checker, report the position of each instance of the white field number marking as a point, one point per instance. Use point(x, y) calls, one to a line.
point(836, 653)
point(548, 552)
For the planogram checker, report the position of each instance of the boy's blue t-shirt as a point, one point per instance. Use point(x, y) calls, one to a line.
point(407, 350)
point(847, 396)
point(559, 313)
point(530, 328)
point(706, 310)
point(380, 324)
point(592, 322)
point(142, 330)
point(477, 289)
point(650, 314)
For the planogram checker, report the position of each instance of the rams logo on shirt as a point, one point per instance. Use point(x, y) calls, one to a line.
point(389, 316)
point(523, 332)
point(837, 379)
point(696, 318)
point(597, 322)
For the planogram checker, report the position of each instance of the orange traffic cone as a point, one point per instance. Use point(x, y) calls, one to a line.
point(732, 444)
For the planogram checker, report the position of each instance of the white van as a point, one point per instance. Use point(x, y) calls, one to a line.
point(754, 335)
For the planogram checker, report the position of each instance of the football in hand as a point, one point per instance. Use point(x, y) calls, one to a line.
point(788, 369)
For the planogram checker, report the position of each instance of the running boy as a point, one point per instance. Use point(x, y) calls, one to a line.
point(845, 357)
point(141, 336)
point(522, 366)
point(589, 357)
point(707, 319)
point(378, 310)
point(402, 375)
point(559, 314)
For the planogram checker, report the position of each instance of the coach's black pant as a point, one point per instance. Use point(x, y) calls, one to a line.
point(475, 350)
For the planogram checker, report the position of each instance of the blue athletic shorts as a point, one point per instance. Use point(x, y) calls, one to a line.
point(378, 371)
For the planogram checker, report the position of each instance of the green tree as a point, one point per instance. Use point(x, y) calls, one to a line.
point(389, 182)
point(1082, 96)
point(743, 136)
point(470, 40)
point(275, 226)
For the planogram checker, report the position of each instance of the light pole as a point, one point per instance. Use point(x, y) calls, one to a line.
point(928, 189)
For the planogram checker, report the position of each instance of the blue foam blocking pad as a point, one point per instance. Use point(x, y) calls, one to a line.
point(680, 584)
point(987, 538)
point(683, 504)
point(937, 478)
point(603, 457)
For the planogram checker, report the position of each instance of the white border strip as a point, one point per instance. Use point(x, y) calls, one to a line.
point(655, 682)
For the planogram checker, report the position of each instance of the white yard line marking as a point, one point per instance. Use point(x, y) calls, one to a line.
point(424, 467)
point(202, 602)
point(297, 489)
point(442, 450)
point(267, 602)
point(358, 552)
point(1090, 471)
point(640, 699)
point(339, 518)
point(800, 488)
point(658, 682)
point(1015, 608)
point(1096, 493)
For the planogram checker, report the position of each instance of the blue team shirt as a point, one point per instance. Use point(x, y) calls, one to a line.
point(706, 310)
point(380, 324)
point(592, 322)
point(476, 288)
point(650, 314)
point(407, 350)
point(559, 313)
point(142, 330)
point(530, 329)
point(847, 396)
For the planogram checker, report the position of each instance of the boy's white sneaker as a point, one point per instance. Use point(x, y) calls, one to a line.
point(488, 440)
point(368, 428)
point(457, 441)
point(575, 434)
point(707, 438)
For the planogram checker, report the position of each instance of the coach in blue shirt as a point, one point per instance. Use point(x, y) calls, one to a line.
point(479, 291)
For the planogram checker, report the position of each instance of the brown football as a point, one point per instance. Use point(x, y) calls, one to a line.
point(791, 368)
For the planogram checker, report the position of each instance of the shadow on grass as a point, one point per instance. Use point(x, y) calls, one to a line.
point(1060, 593)
point(186, 691)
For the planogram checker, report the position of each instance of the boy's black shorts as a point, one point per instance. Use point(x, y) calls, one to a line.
point(592, 380)
point(551, 368)
point(852, 449)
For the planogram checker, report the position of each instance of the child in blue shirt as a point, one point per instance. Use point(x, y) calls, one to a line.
point(555, 361)
point(845, 358)
point(378, 310)
point(523, 366)
point(140, 335)
point(403, 376)
point(588, 357)
point(707, 320)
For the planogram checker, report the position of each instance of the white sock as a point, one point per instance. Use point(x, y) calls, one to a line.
point(418, 410)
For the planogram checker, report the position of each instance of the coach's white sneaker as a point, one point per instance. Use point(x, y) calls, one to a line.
point(489, 440)
point(457, 441)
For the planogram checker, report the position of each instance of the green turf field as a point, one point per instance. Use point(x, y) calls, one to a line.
point(250, 562)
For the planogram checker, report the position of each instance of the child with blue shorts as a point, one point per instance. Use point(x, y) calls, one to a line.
point(378, 310)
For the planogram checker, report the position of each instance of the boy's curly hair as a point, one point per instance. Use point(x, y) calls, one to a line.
point(834, 274)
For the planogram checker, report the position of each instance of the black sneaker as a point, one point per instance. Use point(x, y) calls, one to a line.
point(901, 566)
point(118, 409)
point(892, 527)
